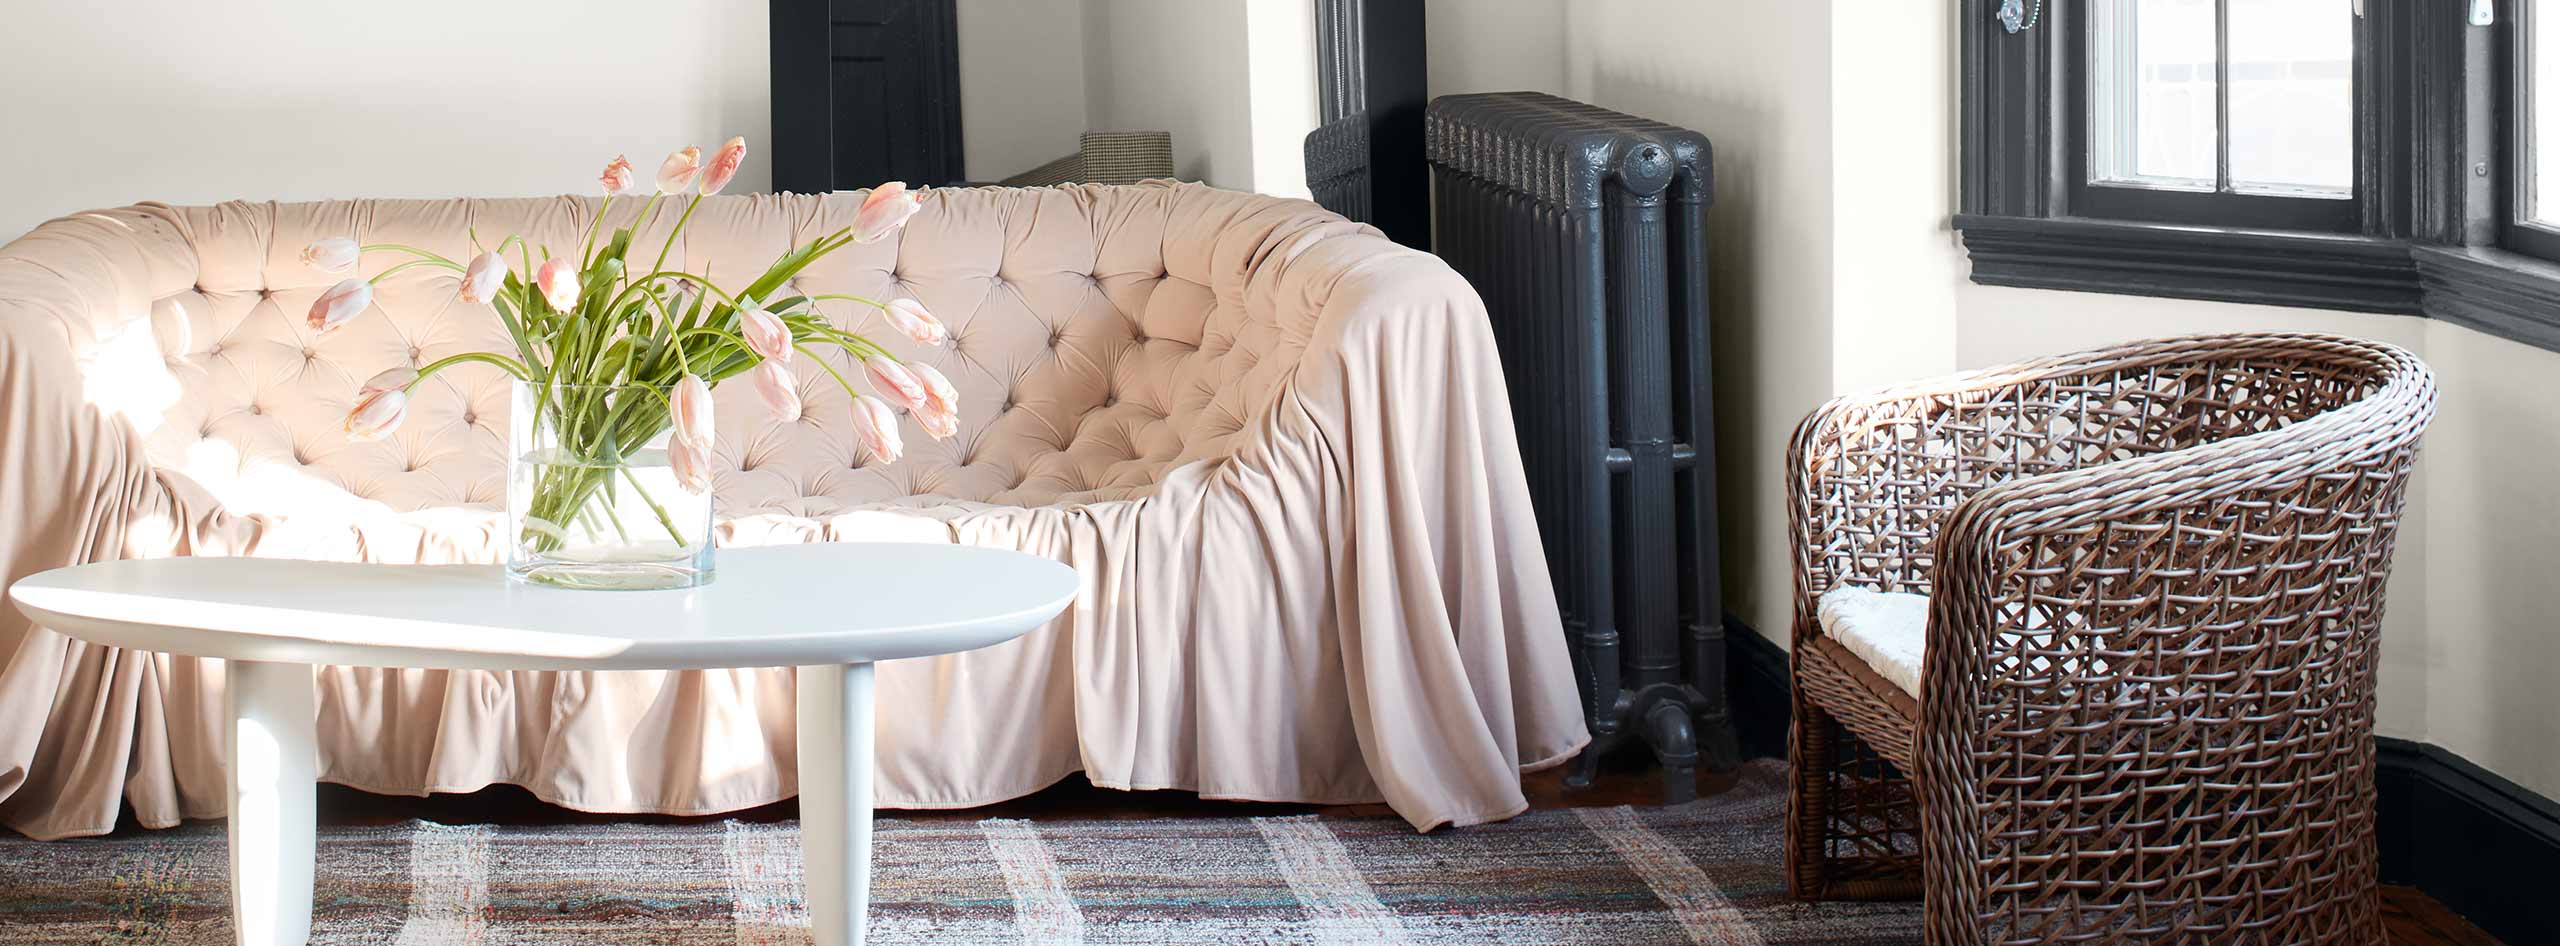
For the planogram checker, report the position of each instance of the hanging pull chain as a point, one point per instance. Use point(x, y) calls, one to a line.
point(2015, 16)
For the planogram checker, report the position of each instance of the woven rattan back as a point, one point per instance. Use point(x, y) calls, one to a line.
point(2157, 579)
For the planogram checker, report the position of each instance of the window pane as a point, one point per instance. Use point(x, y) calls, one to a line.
point(2151, 91)
point(2542, 97)
point(2293, 96)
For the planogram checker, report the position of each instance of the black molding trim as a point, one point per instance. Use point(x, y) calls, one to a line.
point(2260, 266)
point(1756, 684)
point(2508, 295)
point(2476, 842)
point(1372, 88)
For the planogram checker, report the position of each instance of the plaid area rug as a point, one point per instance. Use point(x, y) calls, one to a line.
point(1706, 872)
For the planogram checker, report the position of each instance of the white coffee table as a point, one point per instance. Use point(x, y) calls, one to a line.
point(831, 610)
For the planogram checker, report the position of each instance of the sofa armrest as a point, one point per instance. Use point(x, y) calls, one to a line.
point(1397, 417)
point(76, 483)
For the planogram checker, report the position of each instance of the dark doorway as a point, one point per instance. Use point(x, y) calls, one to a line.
point(865, 91)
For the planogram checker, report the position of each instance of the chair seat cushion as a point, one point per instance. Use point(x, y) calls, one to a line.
point(1887, 629)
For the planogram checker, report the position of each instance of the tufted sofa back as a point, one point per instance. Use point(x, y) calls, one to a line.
point(1101, 336)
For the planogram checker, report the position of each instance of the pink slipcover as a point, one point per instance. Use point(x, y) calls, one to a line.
point(1275, 445)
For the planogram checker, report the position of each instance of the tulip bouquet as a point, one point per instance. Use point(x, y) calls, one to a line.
point(614, 363)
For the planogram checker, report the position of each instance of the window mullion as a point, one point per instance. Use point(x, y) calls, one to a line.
point(2222, 96)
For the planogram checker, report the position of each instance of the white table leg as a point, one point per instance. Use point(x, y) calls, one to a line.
point(273, 770)
point(835, 799)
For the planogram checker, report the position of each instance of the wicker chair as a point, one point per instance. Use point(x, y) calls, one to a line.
point(2146, 706)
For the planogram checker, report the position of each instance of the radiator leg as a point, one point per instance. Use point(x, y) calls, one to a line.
point(1586, 766)
point(1673, 735)
point(1720, 746)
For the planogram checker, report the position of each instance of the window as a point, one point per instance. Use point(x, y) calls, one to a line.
point(2533, 222)
point(2396, 156)
point(2222, 112)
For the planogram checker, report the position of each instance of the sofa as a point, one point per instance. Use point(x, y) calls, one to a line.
point(1274, 445)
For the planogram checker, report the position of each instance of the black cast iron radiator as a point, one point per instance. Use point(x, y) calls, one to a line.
point(1585, 231)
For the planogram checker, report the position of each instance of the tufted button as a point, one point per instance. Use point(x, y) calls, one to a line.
point(1110, 399)
point(1056, 339)
point(310, 354)
point(469, 417)
point(257, 408)
point(215, 350)
point(416, 353)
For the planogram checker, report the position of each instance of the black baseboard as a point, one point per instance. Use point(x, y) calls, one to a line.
point(2476, 842)
point(2481, 845)
point(1756, 682)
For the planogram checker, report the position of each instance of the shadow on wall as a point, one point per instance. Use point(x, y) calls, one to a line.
point(1767, 294)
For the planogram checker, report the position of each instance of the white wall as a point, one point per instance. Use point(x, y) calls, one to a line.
point(1022, 75)
point(190, 101)
point(1178, 66)
point(1233, 80)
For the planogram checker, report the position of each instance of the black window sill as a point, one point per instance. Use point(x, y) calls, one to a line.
point(2501, 293)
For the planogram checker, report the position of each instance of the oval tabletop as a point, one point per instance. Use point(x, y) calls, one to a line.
point(770, 606)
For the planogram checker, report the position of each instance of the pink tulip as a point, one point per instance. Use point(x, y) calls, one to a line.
point(342, 302)
point(765, 332)
point(940, 414)
point(877, 426)
point(333, 255)
point(691, 465)
point(376, 416)
point(884, 211)
point(677, 172)
point(894, 381)
point(559, 283)
point(773, 385)
point(480, 282)
point(617, 177)
point(910, 319)
point(690, 403)
point(724, 165)
point(391, 379)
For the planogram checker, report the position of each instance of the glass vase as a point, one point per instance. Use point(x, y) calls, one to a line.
point(592, 501)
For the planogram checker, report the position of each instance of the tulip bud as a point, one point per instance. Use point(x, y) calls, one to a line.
point(939, 395)
point(676, 173)
point(617, 177)
point(690, 405)
point(376, 416)
point(481, 281)
point(333, 255)
point(940, 413)
point(391, 379)
point(691, 465)
point(894, 381)
point(876, 424)
point(764, 331)
point(342, 302)
point(773, 385)
point(724, 165)
point(884, 211)
point(559, 284)
point(910, 319)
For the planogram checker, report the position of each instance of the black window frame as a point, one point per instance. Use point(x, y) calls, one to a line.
point(2224, 206)
point(2514, 71)
point(2436, 157)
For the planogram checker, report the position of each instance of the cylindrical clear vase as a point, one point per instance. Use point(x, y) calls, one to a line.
point(592, 500)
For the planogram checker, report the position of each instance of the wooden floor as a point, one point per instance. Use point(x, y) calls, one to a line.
point(2411, 918)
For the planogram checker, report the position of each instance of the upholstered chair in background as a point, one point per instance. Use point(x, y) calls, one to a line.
point(2084, 647)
